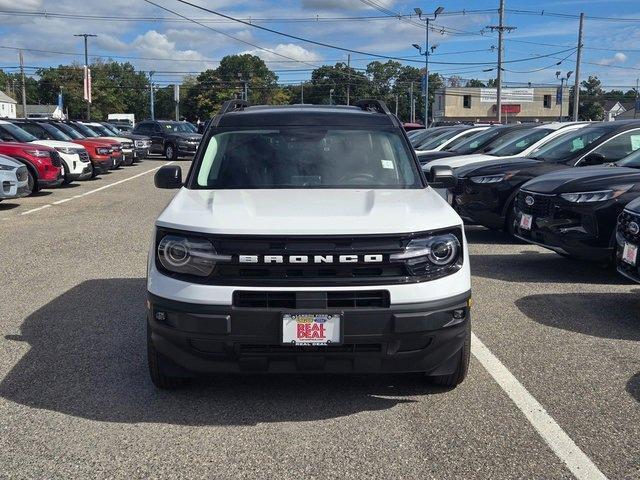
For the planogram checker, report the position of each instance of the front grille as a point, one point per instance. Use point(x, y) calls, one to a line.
point(291, 349)
point(310, 273)
point(83, 154)
point(542, 204)
point(624, 219)
point(22, 174)
point(320, 300)
point(55, 158)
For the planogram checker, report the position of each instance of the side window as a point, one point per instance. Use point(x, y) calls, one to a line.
point(143, 128)
point(546, 101)
point(466, 101)
point(621, 146)
point(35, 131)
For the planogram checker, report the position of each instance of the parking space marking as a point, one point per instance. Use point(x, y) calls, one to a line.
point(560, 443)
point(104, 187)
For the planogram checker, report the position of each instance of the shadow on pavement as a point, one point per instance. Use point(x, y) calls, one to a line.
point(7, 205)
point(605, 315)
point(633, 387)
point(533, 266)
point(482, 235)
point(87, 358)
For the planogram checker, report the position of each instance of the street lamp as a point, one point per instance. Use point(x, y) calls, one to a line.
point(561, 93)
point(87, 82)
point(331, 96)
point(426, 21)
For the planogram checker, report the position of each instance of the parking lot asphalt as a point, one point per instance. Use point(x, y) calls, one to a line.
point(76, 400)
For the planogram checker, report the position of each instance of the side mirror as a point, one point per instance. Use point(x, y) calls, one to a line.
point(441, 176)
point(169, 176)
point(594, 159)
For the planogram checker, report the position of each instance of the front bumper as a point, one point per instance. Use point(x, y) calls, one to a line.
point(417, 337)
point(186, 150)
point(140, 153)
point(102, 165)
point(51, 183)
point(632, 272)
point(83, 175)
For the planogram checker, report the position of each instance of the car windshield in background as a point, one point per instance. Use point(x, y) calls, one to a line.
point(101, 130)
point(471, 144)
point(631, 161)
point(55, 133)
point(85, 130)
point(310, 157)
point(68, 130)
point(112, 130)
point(435, 142)
point(176, 127)
point(515, 142)
point(18, 133)
point(559, 149)
point(422, 137)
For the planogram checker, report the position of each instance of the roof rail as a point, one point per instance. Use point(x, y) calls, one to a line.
point(231, 105)
point(373, 105)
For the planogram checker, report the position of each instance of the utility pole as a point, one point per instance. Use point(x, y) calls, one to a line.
point(635, 107)
point(24, 87)
point(426, 21)
point(396, 104)
point(302, 92)
point(501, 28)
point(576, 85)
point(151, 100)
point(176, 99)
point(87, 72)
point(349, 79)
point(412, 114)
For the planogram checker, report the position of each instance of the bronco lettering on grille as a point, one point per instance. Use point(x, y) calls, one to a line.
point(316, 259)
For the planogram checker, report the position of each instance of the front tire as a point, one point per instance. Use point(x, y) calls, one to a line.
point(457, 377)
point(170, 152)
point(158, 377)
point(32, 183)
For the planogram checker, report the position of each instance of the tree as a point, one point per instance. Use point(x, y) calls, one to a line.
point(337, 77)
point(454, 81)
point(474, 83)
point(591, 99)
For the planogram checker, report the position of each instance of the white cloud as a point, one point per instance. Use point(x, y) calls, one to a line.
point(617, 58)
point(290, 50)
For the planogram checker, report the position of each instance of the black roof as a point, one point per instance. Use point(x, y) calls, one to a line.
point(303, 115)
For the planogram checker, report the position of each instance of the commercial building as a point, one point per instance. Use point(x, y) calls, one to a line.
point(470, 104)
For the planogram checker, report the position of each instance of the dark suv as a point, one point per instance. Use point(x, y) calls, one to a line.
point(170, 138)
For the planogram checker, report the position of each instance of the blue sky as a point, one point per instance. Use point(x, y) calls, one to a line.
point(173, 45)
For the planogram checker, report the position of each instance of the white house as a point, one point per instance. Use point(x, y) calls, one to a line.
point(7, 106)
point(613, 108)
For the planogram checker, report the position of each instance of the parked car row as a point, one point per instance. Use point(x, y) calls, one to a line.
point(46, 153)
point(539, 196)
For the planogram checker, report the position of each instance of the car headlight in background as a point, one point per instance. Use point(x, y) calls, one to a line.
point(492, 178)
point(103, 150)
point(191, 256)
point(67, 150)
point(597, 195)
point(38, 153)
point(433, 255)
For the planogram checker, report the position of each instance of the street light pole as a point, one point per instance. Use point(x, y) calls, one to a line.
point(86, 70)
point(426, 20)
point(561, 95)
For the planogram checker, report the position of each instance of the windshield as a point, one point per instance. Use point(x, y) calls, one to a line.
point(563, 147)
point(632, 161)
point(85, 130)
point(435, 142)
point(423, 135)
point(471, 144)
point(309, 157)
point(101, 130)
point(69, 131)
point(176, 127)
point(111, 129)
point(55, 133)
point(517, 141)
point(18, 133)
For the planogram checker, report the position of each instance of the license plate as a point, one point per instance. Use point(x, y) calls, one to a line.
point(630, 253)
point(306, 329)
point(526, 221)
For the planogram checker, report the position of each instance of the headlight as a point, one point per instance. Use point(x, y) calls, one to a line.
point(491, 178)
point(597, 195)
point(103, 150)
point(7, 167)
point(67, 150)
point(38, 153)
point(431, 255)
point(192, 256)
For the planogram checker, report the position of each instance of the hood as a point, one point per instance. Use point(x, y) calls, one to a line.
point(495, 166)
point(308, 211)
point(134, 136)
point(185, 136)
point(13, 145)
point(8, 161)
point(101, 142)
point(117, 139)
point(57, 144)
point(459, 160)
point(582, 179)
point(428, 156)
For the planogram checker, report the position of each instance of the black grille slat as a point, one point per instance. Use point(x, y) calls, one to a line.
point(542, 205)
point(624, 219)
point(291, 349)
point(55, 158)
point(288, 300)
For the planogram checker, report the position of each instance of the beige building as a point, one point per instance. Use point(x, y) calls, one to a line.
point(518, 104)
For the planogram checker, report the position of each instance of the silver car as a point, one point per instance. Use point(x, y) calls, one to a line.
point(13, 178)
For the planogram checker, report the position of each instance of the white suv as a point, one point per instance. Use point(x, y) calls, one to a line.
point(306, 239)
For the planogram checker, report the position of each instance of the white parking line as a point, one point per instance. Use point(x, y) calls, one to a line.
point(104, 187)
point(560, 443)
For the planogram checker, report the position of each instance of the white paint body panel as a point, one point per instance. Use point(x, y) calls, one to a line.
point(72, 161)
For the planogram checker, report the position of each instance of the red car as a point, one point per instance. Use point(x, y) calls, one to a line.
point(105, 154)
point(43, 163)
